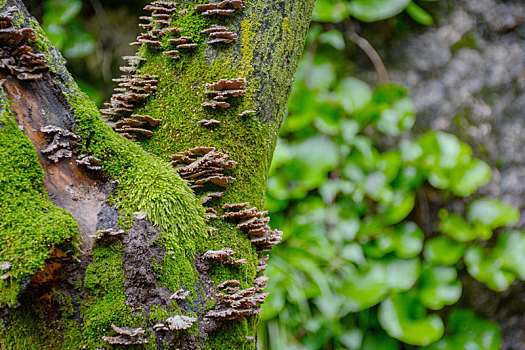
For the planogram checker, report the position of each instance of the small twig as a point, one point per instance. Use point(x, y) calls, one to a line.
point(372, 55)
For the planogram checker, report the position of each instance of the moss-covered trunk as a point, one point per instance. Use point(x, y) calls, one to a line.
point(158, 243)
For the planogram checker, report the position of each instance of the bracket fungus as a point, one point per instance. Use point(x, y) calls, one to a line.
point(4, 270)
point(229, 283)
point(226, 7)
point(237, 305)
point(126, 336)
point(262, 265)
point(223, 256)
point(132, 91)
point(108, 233)
point(203, 165)
point(16, 54)
point(180, 295)
point(173, 53)
point(210, 122)
point(223, 89)
point(180, 322)
point(90, 162)
point(254, 224)
point(60, 147)
point(220, 34)
point(210, 196)
point(246, 113)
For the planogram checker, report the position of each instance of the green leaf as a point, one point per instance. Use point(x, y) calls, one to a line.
point(330, 11)
point(399, 118)
point(438, 286)
point(406, 241)
point(419, 15)
point(403, 317)
point(476, 174)
point(61, 11)
point(443, 251)
point(488, 268)
point(352, 339)
point(366, 288)
point(460, 229)
point(376, 10)
point(334, 38)
point(401, 205)
point(511, 244)
point(492, 213)
point(379, 341)
point(466, 331)
point(353, 94)
point(81, 46)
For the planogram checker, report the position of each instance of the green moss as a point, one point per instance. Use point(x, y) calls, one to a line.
point(30, 329)
point(105, 298)
point(30, 224)
point(232, 336)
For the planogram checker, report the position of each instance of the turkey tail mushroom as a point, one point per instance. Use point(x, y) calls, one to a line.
point(16, 53)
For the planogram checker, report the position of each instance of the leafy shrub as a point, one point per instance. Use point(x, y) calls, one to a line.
point(361, 266)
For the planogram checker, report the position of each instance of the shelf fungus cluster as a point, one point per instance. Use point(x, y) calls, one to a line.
point(126, 336)
point(108, 233)
point(225, 8)
point(236, 304)
point(202, 166)
point(61, 145)
point(220, 34)
point(157, 24)
point(16, 54)
point(133, 89)
point(175, 323)
point(223, 89)
point(90, 162)
point(180, 295)
point(223, 256)
point(254, 224)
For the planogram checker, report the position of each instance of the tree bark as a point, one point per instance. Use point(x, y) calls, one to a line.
point(102, 242)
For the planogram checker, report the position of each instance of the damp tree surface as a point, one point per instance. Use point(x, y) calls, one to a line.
point(140, 225)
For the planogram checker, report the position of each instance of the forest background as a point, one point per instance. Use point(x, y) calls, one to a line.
point(389, 242)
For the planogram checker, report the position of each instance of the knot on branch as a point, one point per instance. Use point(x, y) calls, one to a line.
point(16, 54)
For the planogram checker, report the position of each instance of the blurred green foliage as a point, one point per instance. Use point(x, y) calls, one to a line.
point(64, 30)
point(356, 269)
point(369, 10)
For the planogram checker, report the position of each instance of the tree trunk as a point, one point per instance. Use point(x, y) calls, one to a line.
point(103, 241)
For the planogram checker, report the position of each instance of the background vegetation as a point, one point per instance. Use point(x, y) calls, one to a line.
point(381, 225)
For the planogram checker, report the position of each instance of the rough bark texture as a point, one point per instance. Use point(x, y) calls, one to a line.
point(466, 75)
point(144, 232)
